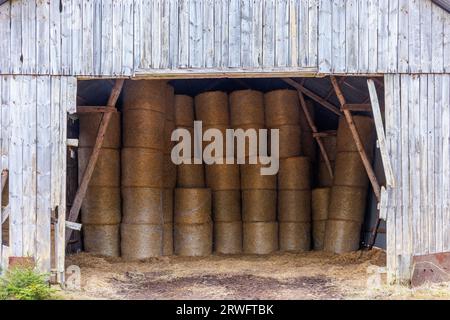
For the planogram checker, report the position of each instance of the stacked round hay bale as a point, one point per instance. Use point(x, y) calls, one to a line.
point(100, 210)
point(188, 175)
point(294, 204)
point(222, 177)
point(282, 111)
point(320, 200)
point(349, 191)
point(308, 141)
point(193, 224)
point(324, 178)
point(144, 115)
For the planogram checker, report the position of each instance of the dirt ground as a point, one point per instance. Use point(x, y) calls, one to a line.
point(312, 275)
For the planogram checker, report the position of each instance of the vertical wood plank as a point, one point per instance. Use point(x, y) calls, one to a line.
point(127, 34)
point(184, 42)
point(43, 36)
point(107, 45)
point(373, 35)
point(338, 37)
point(77, 37)
point(446, 160)
point(208, 33)
point(431, 212)
point(117, 37)
point(5, 40)
point(173, 41)
point(313, 16)
point(437, 39)
point(438, 173)
point(157, 33)
point(269, 33)
point(165, 34)
point(351, 36)
point(293, 33)
point(393, 35)
point(137, 34)
point(383, 35)
point(325, 34)
point(403, 36)
point(97, 36)
point(363, 39)
point(195, 34)
point(218, 32)
point(246, 32)
point(234, 31)
point(16, 55)
point(425, 36)
point(66, 37)
point(55, 37)
point(29, 36)
point(424, 202)
point(303, 32)
point(257, 31)
point(446, 43)
point(87, 37)
point(281, 33)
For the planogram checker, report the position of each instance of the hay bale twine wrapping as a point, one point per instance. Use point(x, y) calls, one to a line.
point(259, 205)
point(242, 146)
point(281, 107)
point(107, 168)
point(170, 103)
point(141, 241)
point(184, 111)
point(342, 236)
point(168, 205)
point(320, 201)
point(324, 178)
point(213, 148)
point(294, 174)
point(212, 108)
point(294, 205)
point(190, 175)
point(193, 239)
point(143, 129)
point(142, 205)
point(102, 239)
point(101, 205)
point(226, 205)
point(347, 203)
point(228, 237)
point(169, 172)
point(223, 176)
point(145, 94)
point(365, 127)
point(89, 124)
point(246, 107)
point(295, 236)
point(260, 237)
point(192, 205)
point(168, 239)
point(290, 142)
point(350, 171)
point(142, 168)
point(251, 177)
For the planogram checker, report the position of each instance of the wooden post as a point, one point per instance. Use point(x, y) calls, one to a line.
point(357, 138)
point(315, 132)
point(81, 192)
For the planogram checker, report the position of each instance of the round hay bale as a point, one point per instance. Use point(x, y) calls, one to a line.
point(102, 239)
point(308, 145)
point(303, 120)
point(320, 201)
point(168, 205)
point(192, 205)
point(189, 135)
point(347, 203)
point(168, 239)
point(342, 236)
point(365, 127)
point(169, 127)
point(350, 171)
point(259, 205)
point(141, 241)
point(142, 205)
point(318, 234)
point(107, 168)
point(213, 148)
point(190, 175)
point(294, 174)
point(101, 205)
point(169, 172)
point(251, 177)
point(241, 140)
point(228, 237)
point(294, 205)
point(145, 94)
point(290, 143)
point(193, 239)
point(143, 129)
point(170, 103)
point(89, 124)
point(246, 107)
point(329, 143)
point(323, 175)
point(226, 205)
point(260, 237)
point(295, 236)
point(184, 111)
point(222, 176)
point(142, 168)
point(212, 108)
point(282, 107)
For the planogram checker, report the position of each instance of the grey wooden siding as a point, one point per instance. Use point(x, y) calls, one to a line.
point(120, 37)
point(33, 140)
point(418, 134)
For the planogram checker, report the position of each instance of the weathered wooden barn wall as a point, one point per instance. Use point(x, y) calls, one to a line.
point(418, 135)
point(121, 37)
point(33, 139)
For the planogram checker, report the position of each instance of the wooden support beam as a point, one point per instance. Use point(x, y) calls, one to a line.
point(357, 107)
point(357, 139)
point(325, 134)
point(313, 96)
point(5, 174)
point(315, 132)
point(81, 192)
point(95, 109)
point(5, 214)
